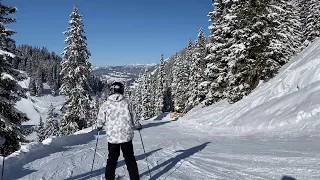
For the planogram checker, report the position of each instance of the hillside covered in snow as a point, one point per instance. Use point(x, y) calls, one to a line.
point(122, 73)
point(270, 134)
point(287, 104)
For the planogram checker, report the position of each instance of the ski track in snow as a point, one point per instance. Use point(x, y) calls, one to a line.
point(180, 153)
point(272, 132)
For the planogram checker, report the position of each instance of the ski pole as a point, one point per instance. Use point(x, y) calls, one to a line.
point(2, 154)
point(2, 168)
point(145, 154)
point(95, 149)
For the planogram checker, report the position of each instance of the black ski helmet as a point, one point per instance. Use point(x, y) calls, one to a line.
point(117, 87)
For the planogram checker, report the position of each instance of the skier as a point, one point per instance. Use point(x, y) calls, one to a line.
point(176, 112)
point(116, 115)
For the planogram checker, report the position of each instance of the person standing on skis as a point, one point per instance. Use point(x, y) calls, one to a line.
point(116, 115)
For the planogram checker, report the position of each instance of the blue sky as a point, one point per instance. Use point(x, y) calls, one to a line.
point(118, 31)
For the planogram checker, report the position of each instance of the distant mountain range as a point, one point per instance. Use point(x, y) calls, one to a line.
point(122, 73)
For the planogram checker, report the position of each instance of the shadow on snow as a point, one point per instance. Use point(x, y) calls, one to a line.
point(101, 171)
point(170, 163)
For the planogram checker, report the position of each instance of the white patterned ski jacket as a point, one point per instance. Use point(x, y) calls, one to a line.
point(115, 114)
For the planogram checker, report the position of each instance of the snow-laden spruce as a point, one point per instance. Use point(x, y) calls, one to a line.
point(52, 123)
point(10, 91)
point(160, 87)
point(40, 130)
point(197, 89)
point(75, 73)
point(310, 15)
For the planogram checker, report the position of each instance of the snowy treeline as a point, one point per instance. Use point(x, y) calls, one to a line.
point(44, 67)
point(249, 41)
point(70, 76)
point(41, 66)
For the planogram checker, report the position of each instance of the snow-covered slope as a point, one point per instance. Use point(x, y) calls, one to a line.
point(287, 104)
point(269, 134)
point(173, 152)
point(36, 107)
point(122, 73)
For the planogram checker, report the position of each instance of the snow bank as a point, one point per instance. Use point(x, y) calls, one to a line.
point(287, 104)
point(35, 150)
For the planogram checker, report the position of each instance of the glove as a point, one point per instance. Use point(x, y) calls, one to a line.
point(138, 126)
point(99, 128)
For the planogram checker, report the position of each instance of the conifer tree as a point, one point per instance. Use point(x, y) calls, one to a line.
point(310, 15)
point(138, 90)
point(52, 124)
point(285, 35)
point(40, 129)
point(32, 86)
point(75, 73)
point(197, 90)
point(180, 80)
point(249, 52)
point(39, 83)
point(160, 108)
point(222, 29)
point(144, 97)
point(10, 90)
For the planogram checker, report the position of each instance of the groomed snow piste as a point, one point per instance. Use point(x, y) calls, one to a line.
point(269, 134)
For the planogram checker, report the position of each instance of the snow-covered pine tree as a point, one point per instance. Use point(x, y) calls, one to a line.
point(285, 39)
point(75, 73)
point(161, 87)
point(175, 78)
point(150, 104)
point(133, 98)
point(32, 86)
point(40, 129)
point(147, 106)
point(138, 90)
point(10, 91)
point(180, 79)
point(94, 111)
point(153, 95)
point(248, 54)
point(199, 54)
point(220, 40)
point(52, 125)
point(39, 83)
point(310, 17)
point(144, 97)
point(168, 99)
point(198, 80)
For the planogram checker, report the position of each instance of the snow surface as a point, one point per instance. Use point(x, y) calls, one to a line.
point(36, 107)
point(112, 78)
point(271, 133)
point(288, 104)
point(173, 152)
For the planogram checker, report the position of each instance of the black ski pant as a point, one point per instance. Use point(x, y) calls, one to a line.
point(128, 154)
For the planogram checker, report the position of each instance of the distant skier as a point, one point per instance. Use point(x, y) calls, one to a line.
point(116, 115)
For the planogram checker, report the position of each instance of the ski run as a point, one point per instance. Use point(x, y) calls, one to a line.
point(271, 133)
